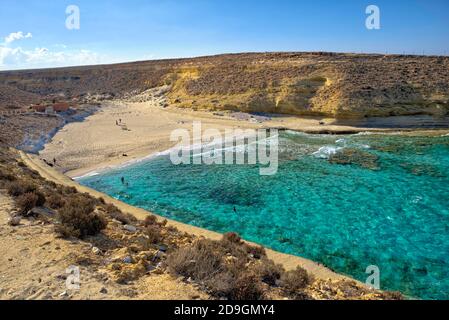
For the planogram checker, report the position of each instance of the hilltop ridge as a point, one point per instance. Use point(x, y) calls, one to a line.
point(322, 84)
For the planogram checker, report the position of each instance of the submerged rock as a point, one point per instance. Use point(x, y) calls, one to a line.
point(355, 156)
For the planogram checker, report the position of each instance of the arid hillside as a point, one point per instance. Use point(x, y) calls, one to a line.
point(331, 84)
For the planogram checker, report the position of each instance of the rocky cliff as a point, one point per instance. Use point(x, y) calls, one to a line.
point(331, 84)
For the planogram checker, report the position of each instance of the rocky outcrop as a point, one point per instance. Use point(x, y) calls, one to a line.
point(337, 85)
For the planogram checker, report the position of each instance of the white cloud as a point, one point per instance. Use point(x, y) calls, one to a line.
point(18, 58)
point(17, 36)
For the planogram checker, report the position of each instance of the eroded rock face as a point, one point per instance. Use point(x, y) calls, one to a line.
point(358, 157)
point(338, 85)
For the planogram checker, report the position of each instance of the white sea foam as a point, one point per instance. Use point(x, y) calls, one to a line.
point(196, 149)
point(326, 151)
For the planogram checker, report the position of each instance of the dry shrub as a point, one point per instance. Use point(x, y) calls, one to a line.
point(19, 187)
point(31, 173)
point(51, 184)
point(269, 272)
point(117, 214)
point(232, 237)
point(154, 234)
point(27, 201)
point(6, 176)
point(21, 164)
point(246, 287)
point(78, 219)
point(210, 263)
point(258, 252)
point(392, 295)
point(55, 201)
point(199, 261)
point(233, 244)
point(295, 281)
point(66, 190)
point(150, 220)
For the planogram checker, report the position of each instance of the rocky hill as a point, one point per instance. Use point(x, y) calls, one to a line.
point(331, 84)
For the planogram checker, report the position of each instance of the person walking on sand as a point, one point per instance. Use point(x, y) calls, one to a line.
point(116, 122)
point(54, 161)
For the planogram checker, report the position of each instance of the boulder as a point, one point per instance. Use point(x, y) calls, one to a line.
point(130, 228)
point(14, 221)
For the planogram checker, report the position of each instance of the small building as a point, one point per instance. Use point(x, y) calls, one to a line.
point(51, 108)
point(60, 106)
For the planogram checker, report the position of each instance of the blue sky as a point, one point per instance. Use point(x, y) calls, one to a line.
point(114, 31)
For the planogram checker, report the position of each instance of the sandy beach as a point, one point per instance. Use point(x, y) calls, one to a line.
point(102, 141)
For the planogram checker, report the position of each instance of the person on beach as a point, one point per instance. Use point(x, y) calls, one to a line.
point(54, 161)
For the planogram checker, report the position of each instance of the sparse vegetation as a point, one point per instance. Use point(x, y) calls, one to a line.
point(27, 201)
point(295, 281)
point(19, 187)
point(154, 234)
point(117, 214)
point(78, 219)
point(6, 176)
point(55, 201)
point(269, 272)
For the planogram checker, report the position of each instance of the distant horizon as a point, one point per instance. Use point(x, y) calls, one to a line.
point(41, 34)
point(225, 54)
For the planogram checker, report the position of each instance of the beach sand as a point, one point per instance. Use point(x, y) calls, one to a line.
point(145, 128)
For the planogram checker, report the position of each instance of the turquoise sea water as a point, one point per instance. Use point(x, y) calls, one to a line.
point(388, 207)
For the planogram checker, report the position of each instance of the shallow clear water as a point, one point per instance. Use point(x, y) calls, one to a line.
point(389, 207)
